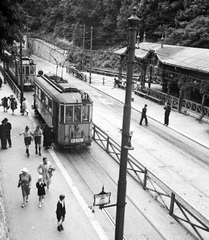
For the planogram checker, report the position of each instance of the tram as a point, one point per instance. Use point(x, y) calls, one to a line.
point(65, 109)
point(13, 67)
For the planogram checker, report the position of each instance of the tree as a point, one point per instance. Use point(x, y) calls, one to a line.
point(11, 15)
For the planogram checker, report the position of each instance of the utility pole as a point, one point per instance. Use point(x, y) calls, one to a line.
point(133, 21)
point(84, 29)
point(91, 55)
point(21, 74)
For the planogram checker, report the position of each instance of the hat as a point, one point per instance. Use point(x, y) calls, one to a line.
point(5, 119)
point(40, 177)
point(24, 169)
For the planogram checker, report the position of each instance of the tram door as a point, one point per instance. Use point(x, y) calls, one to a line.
point(55, 119)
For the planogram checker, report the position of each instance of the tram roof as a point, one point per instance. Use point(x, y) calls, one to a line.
point(195, 59)
point(61, 97)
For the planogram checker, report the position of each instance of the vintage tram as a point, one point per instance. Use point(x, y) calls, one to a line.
point(65, 109)
point(13, 67)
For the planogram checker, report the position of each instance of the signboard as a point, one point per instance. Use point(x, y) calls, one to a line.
point(101, 198)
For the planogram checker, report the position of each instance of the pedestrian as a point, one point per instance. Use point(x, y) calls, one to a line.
point(24, 107)
point(41, 189)
point(47, 133)
point(1, 82)
point(167, 114)
point(45, 169)
point(28, 137)
point(8, 127)
point(3, 134)
point(25, 184)
point(4, 103)
point(60, 212)
point(37, 139)
point(144, 115)
point(13, 104)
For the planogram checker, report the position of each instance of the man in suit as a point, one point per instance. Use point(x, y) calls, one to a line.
point(60, 212)
point(8, 126)
point(144, 115)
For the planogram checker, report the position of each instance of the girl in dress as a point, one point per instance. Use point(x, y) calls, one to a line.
point(41, 189)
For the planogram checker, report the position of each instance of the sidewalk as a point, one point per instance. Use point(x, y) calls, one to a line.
point(33, 222)
point(185, 125)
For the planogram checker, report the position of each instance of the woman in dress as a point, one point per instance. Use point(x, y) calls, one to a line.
point(25, 184)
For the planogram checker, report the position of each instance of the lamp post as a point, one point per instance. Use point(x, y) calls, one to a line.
point(90, 56)
point(21, 74)
point(125, 144)
point(84, 29)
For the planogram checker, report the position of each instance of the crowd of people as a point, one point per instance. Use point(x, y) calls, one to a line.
point(45, 170)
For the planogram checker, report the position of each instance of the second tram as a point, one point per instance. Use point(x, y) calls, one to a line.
point(13, 66)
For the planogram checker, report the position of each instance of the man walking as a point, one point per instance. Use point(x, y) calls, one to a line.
point(8, 126)
point(167, 114)
point(144, 115)
point(45, 169)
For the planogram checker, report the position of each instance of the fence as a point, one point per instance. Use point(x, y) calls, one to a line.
point(184, 213)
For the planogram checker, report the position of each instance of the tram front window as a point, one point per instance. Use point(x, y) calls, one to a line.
point(69, 114)
point(85, 113)
point(77, 114)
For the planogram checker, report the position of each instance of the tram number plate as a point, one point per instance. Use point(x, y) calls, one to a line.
point(77, 140)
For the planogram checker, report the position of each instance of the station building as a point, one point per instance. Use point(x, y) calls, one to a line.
point(182, 72)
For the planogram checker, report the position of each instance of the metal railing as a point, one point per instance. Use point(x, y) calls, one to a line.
point(183, 212)
point(12, 85)
point(188, 107)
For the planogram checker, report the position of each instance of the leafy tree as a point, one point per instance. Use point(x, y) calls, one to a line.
point(10, 22)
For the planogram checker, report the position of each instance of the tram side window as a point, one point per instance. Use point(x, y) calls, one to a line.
point(50, 105)
point(42, 97)
point(39, 93)
point(77, 114)
point(62, 114)
point(69, 114)
point(32, 70)
point(85, 113)
point(23, 70)
point(27, 70)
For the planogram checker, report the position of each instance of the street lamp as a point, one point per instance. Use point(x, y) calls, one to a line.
point(90, 56)
point(133, 21)
point(83, 46)
point(21, 74)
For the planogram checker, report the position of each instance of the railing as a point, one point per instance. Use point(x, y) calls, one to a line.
point(12, 85)
point(184, 213)
point(188, 107)
point(77, 73)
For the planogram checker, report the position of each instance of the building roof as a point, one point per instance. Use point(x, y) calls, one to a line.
point(196, 59)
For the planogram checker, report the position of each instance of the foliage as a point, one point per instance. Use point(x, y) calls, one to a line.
point(183, 22)
point(10, 21)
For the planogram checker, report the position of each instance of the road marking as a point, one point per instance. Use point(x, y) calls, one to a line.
point(101, 233)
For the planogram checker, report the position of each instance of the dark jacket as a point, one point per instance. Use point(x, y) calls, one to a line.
point(61, 211)
point(144, 112)
point(41, 188)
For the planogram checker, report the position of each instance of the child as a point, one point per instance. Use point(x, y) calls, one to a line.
point(60, 212)
point(41, 189)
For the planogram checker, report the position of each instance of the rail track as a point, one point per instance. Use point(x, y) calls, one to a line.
point(87, 157)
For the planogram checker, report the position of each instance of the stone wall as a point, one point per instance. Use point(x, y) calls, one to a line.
point(47, 51)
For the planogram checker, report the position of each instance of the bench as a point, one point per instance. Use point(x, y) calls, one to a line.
point(141, 94)
point(159, 101)
point(122, 85)
point(150, 97)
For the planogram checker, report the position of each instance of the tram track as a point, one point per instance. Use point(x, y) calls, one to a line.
point(87, 155)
